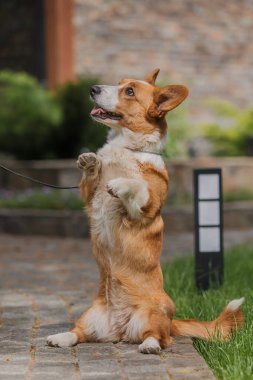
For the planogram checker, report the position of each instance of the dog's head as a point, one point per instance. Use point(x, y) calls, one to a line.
point(136, 104)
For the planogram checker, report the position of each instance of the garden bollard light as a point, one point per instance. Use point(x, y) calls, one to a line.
point(209, 261)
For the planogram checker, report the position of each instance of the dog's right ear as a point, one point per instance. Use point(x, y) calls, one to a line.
point(167, 98)
point(151, 77)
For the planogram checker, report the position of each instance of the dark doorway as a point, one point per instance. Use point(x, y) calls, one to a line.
point(22, 45)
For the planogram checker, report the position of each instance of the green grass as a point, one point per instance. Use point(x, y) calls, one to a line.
point(232, 360)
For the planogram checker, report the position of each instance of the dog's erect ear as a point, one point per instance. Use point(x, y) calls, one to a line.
point(151, 77)
point(167, 98)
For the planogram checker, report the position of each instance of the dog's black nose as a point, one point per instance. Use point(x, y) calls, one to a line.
point(95, 90)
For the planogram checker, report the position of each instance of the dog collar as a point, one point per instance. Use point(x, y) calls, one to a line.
point(144, 151)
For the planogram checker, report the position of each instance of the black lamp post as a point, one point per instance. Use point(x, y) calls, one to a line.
point(208, 228)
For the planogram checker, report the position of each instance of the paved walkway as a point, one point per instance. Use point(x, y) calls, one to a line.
point(45, 284)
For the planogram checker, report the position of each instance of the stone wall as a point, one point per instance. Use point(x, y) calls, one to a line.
point(237, 215)
point(237, 173)
point(205, 44)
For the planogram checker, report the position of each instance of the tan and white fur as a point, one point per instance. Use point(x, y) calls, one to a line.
point(124, 186)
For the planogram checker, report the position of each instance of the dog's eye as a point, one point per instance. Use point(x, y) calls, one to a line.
point(129, 91)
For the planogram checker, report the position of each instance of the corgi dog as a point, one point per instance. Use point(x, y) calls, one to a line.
point(124, 186)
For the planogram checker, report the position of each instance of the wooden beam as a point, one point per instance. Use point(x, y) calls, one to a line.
point(59, 42)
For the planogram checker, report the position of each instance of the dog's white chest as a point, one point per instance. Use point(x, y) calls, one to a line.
point(107, 211)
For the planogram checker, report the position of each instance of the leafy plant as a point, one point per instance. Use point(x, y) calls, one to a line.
point(28, 114)
point(37, 124)
point(44, 199)
point(233, 134)
point(243, 194)
point(77, 130)
point(179, 133)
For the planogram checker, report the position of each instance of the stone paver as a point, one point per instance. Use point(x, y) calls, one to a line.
point(47, 283)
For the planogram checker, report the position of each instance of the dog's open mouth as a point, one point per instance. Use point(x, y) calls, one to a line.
point(100, 113)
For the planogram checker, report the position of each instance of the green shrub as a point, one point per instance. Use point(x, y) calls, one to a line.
point(235, 137)
point(28, 115)
point(243, 194)
point(77, 130)
point(41, 199)
point(36, 124)
point(179, 133)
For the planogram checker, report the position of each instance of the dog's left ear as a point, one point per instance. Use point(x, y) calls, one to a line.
point(167, 98)
point(151, 77)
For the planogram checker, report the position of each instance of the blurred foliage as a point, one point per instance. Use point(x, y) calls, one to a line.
point(38, 124)
point(48, 199)
point(179, 133)
point(77, 130)
point(243, 194)
point(28, 115)
point(44, 199)
point(235, 136)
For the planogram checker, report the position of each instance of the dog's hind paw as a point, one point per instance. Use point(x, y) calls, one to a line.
point(150, 346)
point(67, 339)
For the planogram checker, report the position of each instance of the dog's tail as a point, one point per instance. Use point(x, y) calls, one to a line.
point(227, 322)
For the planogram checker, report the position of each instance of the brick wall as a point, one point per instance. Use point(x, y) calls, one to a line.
point(207, 44)
point(237, 173)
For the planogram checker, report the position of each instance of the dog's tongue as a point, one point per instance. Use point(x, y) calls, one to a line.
point(96, 111)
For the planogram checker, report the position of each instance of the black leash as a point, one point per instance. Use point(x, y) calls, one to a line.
point(37, 181)
point(61, 187)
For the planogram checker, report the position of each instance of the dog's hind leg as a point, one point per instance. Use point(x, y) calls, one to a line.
point(156, 335)
point(66, 339)
point(93, 326)
point(150, 345)
point(156, 330)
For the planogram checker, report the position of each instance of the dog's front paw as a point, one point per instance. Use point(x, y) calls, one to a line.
point(117, 188)
point(89, 163)
point(67, 339)
point(150, 346)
